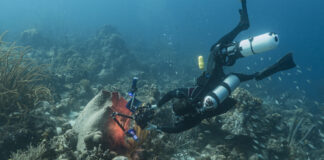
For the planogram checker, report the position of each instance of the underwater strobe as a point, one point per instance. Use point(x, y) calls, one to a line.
point(214, 98)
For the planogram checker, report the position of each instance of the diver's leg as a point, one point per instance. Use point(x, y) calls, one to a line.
point(245, 77)
point(284, 63)
point(244, 24)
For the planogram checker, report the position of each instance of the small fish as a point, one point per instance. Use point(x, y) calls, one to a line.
point(295, 82)
point(255, 141)
point(288, 74)
point(229, 137)
point(299, 71)
point(311, 115)
point(247, 85)
point(267, 121)
point(320, 122)
point(309, 69)
point(262, 145)
point(316, 103)
point(300, 101)
point(320, 133)
point(270, 78)
point(207, 131)
point(311, 146)
point(254, 117)
point(248, 68)
point(261, 59)
point(278, 128)
point(308, 81)
point(277, 102)
point(255, 147)
point(269, 58)
point(296, 106)
point(279, 78)
point(276, 157)
point(260, 156)
point(297, 87)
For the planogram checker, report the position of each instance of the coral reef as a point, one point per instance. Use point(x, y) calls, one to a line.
point(21, 93)
point(34, 38)
point(78, 126)
point(20, 88)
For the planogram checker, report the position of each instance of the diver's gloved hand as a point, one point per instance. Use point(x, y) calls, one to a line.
point(144, 115)
point(151, 127)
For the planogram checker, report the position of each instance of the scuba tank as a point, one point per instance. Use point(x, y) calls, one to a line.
point(214, 98)
point(250, 46)
point(258, 44)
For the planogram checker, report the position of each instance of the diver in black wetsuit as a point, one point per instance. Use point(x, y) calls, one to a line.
point(192, 106)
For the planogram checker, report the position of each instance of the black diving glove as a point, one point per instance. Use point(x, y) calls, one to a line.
point(144, 116)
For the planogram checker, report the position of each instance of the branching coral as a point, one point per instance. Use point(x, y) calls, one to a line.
point(32, 152)
point(295, 127)
point(20, 79)
point(135, 146)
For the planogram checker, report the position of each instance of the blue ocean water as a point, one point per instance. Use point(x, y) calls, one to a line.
point(190, 27)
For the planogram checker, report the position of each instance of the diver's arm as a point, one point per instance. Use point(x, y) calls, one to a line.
point(244, 24)
point(177, 93)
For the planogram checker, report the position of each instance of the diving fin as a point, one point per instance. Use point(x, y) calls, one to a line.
point(284, 63)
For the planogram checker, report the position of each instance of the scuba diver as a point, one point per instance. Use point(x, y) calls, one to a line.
point(210, 96)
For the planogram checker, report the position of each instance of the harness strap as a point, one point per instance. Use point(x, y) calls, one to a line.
point(251, 40)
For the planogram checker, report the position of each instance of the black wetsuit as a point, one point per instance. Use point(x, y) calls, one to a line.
point(213, 76)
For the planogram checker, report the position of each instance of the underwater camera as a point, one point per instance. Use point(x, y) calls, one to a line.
point(142, 115)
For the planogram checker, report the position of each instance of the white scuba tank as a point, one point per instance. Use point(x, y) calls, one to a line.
point(221, 92)
point(258, 44)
